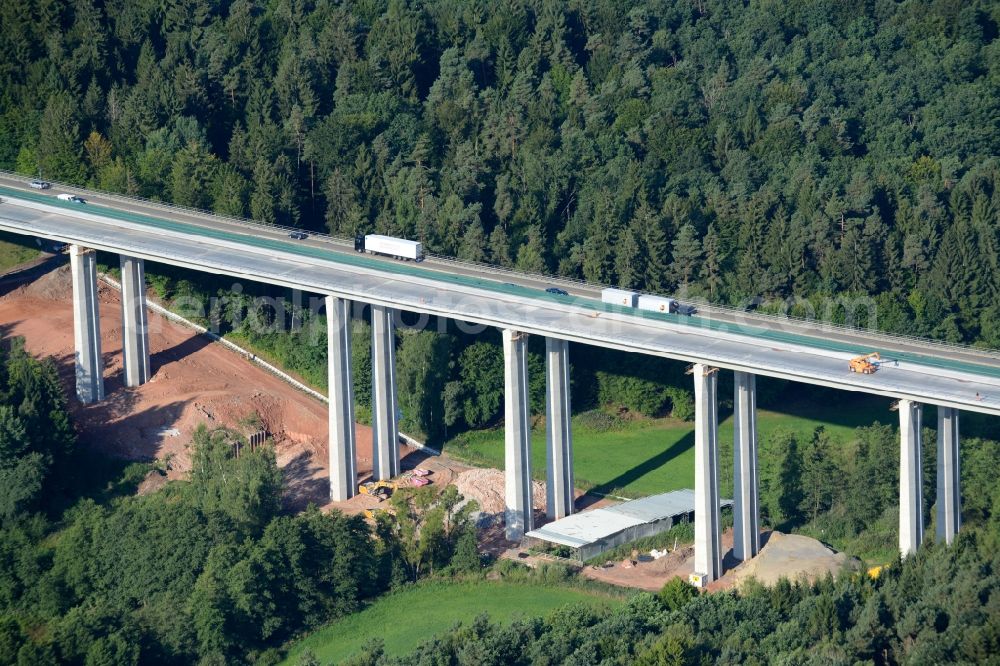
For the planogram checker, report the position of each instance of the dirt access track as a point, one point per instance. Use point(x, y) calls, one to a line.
point(194, 381)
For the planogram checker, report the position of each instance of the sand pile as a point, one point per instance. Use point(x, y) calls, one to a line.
point(793, 556)
point(486, 486)
point(54, 285)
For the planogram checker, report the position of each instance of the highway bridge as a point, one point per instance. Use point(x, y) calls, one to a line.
point(952, 377)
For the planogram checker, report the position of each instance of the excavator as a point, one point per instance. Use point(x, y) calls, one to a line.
point(868, 364)
point(380, 490)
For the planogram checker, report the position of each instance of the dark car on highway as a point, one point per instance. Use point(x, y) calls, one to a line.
point(298, 235)
point(557, 290)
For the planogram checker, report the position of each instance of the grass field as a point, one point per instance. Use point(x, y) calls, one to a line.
point(406, 619)
point(657, 455)
point(15, 250)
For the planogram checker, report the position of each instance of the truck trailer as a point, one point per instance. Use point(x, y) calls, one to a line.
point(619, 297)
point(657, 303)
point(398, 248)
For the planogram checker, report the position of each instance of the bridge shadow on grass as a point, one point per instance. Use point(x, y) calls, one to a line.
point(643, 468)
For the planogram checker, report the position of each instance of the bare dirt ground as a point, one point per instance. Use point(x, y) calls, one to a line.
point(194, 381)
point(645, 573)
point(486, 486)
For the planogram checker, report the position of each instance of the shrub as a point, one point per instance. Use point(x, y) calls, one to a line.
point(638, 395)
point(598, 421)
point(467, 557)
point(676, 593)
point(681, 404)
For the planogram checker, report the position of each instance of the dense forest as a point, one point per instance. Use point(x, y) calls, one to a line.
point(736, 151)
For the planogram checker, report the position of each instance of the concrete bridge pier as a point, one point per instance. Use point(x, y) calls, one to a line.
point(135, 325)
point(342, 448)
point(517, 436)
point(949, 497)
point(911, 520)
point(746, 513)
point(558, 430)
point(86, 325)
point(707, 522)
point(385, 406)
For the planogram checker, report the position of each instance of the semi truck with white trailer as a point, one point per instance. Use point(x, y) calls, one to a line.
point(632, 299)
point(398, 248)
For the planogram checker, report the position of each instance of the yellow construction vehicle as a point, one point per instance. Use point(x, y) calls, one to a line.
point(875, 572)
point(380, 490)
point(867, 364)
point(384, 511)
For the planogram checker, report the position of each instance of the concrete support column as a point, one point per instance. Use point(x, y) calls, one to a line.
point(558, 431)
point(517, 436)
point(746, 526)
point(949, 498)
point(86, 325)
point(911, 521)
point(342, 450)
point(385, 406)
point(296, 324)
point(707, 522)
point(135, 326)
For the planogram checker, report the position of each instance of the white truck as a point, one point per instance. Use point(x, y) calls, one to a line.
point(400, 248)
point(619, 297)
point(657, 303)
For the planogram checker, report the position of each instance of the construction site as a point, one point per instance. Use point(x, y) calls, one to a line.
point(200, 382)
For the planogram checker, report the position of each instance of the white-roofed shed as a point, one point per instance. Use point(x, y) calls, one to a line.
point(590, 533)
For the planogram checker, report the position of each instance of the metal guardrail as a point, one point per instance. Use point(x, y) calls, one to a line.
point(748, 316)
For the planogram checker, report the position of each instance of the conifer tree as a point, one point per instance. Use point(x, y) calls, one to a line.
point(630, 260)
point(530, 256)
point(473, 245)
point(500, 247)
point(687, 256)
point(711, 270)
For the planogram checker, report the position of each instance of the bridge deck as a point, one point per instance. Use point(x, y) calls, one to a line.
point(959, 377)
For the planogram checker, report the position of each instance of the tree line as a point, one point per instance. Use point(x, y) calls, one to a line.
point(731, 151)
